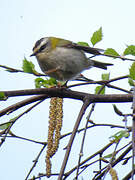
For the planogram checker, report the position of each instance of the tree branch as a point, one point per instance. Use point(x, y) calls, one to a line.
point(66, 93)
point(82, 111)
point(115, 162)
point(20, 104)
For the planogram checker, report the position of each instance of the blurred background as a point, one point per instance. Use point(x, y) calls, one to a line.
point(22, 23)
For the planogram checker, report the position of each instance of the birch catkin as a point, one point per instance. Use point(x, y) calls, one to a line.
point(55, 124)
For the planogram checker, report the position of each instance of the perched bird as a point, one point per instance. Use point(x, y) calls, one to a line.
point(62, 59)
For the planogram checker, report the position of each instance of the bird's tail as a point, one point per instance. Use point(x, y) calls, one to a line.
point(99, 64)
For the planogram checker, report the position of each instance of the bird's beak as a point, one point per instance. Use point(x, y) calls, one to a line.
point(33, 54)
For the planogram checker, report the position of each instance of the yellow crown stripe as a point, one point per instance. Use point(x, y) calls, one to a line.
point(54, 42)
point(58, 42)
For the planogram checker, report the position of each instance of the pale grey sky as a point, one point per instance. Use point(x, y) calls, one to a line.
point(24, 22)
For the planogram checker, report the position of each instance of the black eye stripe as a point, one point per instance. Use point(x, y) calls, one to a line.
point(38, 42)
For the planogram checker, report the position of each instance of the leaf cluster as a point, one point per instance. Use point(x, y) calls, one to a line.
point(29, 67)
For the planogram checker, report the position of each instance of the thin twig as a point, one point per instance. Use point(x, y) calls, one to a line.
point(87, 82)
point(97, 177)
point(13, 70)
point(43, 175)
point(89, 158)
point(25, 139)
point(94, 125)
point(129, 175)
point(117, 88)
point(35, 161)
point(133, 134)
point(18, 117)
point(101, 151)
point(111, 160)
point(84, 135)
point(20, 104)
point(82, 111)
point(96, 51)
point(10, 69)
point(119, 57)
point(107, 83)
point(87, 165)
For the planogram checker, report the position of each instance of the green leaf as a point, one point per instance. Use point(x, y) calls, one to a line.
point(110, 51)
point(97, 90)
point(97, 36)
point(108, 156)
point(119, 135)
point(28, 66)
point(83, 43)
point(51, 82)
point(39, 82)
point(5, 126)
point(130, 50)
point(117, 111)
point(2, 96)
point(132, 71)
point(105, 76)
point(131, 82)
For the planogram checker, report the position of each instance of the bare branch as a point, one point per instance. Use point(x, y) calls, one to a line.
point(133, 134)
point(13, 70)
point(96, 51)
point(20, 104)
point(35, 161)
point(82, 111)
point(115, 162)
point(66, 93)
point(18, 117)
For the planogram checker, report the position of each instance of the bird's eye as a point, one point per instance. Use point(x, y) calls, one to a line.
point(42, 47)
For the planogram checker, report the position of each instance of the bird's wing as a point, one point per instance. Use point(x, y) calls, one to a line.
point(86, 49)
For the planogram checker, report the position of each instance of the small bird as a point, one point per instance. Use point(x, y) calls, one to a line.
point(62, 59)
